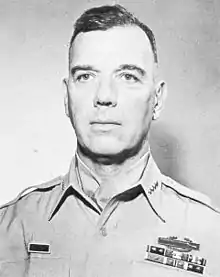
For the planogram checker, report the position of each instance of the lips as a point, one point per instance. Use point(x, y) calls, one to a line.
point(104, 125)
point(105, 122)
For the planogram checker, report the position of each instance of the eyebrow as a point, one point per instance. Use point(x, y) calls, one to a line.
point(132, 67)
point(82, 67)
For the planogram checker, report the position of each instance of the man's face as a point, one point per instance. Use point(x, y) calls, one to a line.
point(110, 89)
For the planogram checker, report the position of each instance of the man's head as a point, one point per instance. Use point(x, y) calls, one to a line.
point(106, 17)
point(111, 91)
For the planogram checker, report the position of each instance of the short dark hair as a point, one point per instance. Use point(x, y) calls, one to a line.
point(106, 17)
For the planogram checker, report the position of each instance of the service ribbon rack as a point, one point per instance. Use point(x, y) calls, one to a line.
point(176, 257)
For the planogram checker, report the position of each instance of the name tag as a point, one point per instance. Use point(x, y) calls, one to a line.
point(43, 248)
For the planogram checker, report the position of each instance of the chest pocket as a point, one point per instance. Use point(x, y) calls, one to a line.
point(12, 268)
point(40, 265)
point(47, 265)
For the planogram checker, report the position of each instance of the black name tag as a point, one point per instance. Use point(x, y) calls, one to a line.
point(39, 248)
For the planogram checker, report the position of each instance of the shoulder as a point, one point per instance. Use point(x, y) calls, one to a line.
point(177, 191)
point(192, 214)
point(30, 208)
point(37, 192)
point(182, 206)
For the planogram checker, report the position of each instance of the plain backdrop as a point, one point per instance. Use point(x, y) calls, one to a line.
point(36, 139)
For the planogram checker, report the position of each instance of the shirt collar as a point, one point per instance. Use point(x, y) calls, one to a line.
point(150, 180)
point(93, 185)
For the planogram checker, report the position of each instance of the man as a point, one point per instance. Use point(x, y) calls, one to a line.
point(114, 213)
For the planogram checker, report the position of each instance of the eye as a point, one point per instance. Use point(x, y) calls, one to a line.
point(131, 78)
point(85, 77)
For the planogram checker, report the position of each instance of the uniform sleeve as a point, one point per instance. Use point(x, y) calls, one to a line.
point(13, 253)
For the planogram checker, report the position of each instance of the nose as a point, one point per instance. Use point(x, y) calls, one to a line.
point(106, 94)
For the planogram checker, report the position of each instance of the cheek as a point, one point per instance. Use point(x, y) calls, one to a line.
point(78, 113)
point(139, 112)
point(79, 107)
point(147, 108)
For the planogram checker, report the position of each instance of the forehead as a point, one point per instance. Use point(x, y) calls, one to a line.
point(118, 45)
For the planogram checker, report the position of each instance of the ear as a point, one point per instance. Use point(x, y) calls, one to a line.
point(159, 99)
point(65, 82)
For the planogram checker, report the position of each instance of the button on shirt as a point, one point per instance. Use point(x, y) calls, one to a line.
point(78, 226)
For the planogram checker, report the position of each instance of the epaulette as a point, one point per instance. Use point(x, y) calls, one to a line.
point(43, 186)
point(191, 194)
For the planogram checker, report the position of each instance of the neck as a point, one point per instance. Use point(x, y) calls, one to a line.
point(112, 166)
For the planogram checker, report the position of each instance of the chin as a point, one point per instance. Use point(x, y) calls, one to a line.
point(111, 147)
point(103, 150)
point(106, 151)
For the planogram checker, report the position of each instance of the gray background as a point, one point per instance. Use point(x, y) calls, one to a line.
point(36, 139)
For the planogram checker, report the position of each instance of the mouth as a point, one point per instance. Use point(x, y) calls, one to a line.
point(105, 122)
point(104, 126)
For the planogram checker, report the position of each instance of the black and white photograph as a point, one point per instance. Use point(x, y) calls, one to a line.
point(110, 138)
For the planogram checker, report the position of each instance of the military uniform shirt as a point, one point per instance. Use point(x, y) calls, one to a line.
point(60, 228)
